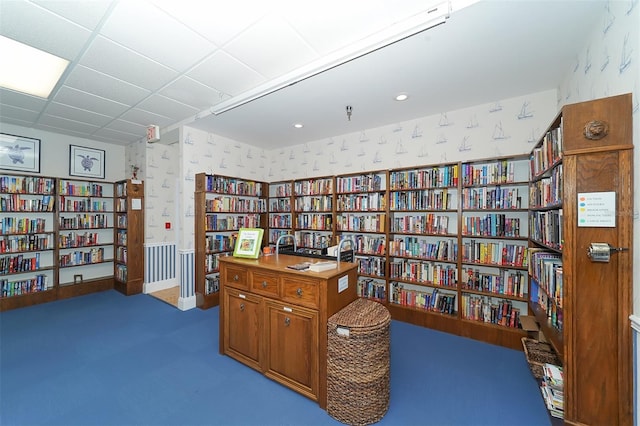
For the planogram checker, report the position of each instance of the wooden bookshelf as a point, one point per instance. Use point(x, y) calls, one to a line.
point(586, 154)
point(129, 237)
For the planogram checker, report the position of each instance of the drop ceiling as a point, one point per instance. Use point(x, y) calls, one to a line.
point(172, 63)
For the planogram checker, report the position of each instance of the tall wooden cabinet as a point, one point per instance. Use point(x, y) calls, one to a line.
point(585, 310)
point(129, 237)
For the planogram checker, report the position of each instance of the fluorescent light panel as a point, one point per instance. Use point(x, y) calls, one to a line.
point(29, 70)
point(420, 22)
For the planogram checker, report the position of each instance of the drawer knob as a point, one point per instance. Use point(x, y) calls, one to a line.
point(299, 292)
point(287, 321)
point(264, 284)
point(242, 307)
point(236, 277)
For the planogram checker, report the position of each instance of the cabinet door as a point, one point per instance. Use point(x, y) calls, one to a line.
point(242, 325)
point(292, 348)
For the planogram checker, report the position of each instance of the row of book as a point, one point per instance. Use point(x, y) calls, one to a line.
point(367, 244)
point(491, 198)
point(23, 243)
point(547, 304)
point(361, 223)
point(217, 243)
point(18, 203)
point(424, 272)
point(420, 248)
point(86, 205)
point(510, 283)
point(19, 263)
point(26, 185)
point(372, 266)
point(212, 261)
point(235, 205)
point(427, 199)
point(548, 190)
point(217, 222)
point(225, 185)
point(121, 205)
point(121, 254)
point(94, 255)
point(74, 239)
point(313, 187)
point(280, 221)
point(280, 190)
point(428, 223)
point(546, 269)
point(120, 272)
point(548, 153)
point(499, 253)
point(374, 201)
point(546, 227)
point(491, 225)
point(280, 205)
point(435, 177)
point(314, 203)
point(84, 221)
point(314, 240)
point(211, 284)
point(121, 221)
point(552, 389)
point(121, 237)
point(372, 289)
point(19, 287)
point(274, 234)
point(318, 221)
point(363, 183)
point(434, 300)
point(496, 173)
point(78, 189)
point(484, 309)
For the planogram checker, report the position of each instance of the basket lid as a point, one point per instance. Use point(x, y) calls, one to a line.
point(361, 313)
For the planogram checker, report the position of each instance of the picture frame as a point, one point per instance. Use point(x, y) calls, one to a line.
point(248, 243)
point(86, 162)
point(19, 153)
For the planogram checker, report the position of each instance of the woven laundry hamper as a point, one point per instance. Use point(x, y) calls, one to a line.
point(358, 358)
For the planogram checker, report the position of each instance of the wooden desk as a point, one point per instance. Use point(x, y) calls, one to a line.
point(274, 319)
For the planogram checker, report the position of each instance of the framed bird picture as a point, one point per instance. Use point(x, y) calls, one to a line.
point(86, 162)
point(19, 153)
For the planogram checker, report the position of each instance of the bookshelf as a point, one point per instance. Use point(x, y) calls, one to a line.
point(129, 237)
point(223, 205)
point(85, 236)
point(313, 210)
point(27, 243)
point(361, 216)
point(583, 306)
point(280, 216)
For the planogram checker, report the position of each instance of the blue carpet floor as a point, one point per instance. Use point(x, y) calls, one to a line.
point(108, 359)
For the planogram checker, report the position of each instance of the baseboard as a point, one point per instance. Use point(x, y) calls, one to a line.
point(186, 303)
point(159, 285)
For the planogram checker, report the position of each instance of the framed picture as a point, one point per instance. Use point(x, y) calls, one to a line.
point(248, 243)
point(86, 162)
point(19, 153)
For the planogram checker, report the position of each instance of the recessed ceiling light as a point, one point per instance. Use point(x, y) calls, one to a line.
point(298, 125)
point(29, 70)
point(401, 97)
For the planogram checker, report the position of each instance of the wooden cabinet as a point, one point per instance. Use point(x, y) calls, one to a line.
point(274, 319)
point(585, 313)
point(129, 241)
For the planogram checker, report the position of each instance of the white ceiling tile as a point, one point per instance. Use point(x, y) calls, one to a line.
point(112, 59)
point(21, 100)
point(18, 113)
point(85, 13)
point(77, 114)
point(18, 122)
point(219, 21)
point(154, 34)
point(226, 74)
point(146, 118)
point(271, 48)
point(112, 136)
point(164, 106)
point(127, 127)
point(30, 24)
point(63, 123)
point(79, 99)
point(192, 93)
point(97, 83)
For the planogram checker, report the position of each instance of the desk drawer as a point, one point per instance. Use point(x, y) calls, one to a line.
point(235, 277)
point(264, 283)
point(300, 291)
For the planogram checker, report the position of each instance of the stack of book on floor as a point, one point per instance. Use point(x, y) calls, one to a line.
point(552, 387)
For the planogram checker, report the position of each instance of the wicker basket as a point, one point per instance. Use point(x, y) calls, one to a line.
point(538, 354)
point(358, 363)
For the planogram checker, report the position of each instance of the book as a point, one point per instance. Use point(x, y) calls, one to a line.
point(322, 266)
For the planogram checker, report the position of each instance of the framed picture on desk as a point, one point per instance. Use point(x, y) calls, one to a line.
point(248, 243)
